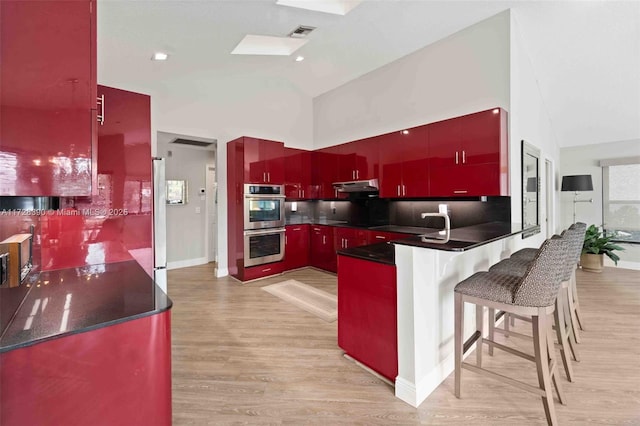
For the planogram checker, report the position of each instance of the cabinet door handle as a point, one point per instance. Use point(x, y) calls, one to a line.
point(464, 157)
point(100, 102)
point(404, 190)
point(456, 157)
point(460, 192)
point(266, 269)
point(268, 176)
point(380, 237)
point(398, 190)
point(357, 174)
point(324, 239)
point(353, 174)
point(297, 229)
point(302, 193)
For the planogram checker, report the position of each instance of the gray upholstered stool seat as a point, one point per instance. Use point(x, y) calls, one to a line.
point(534, 293)
point(525, 254)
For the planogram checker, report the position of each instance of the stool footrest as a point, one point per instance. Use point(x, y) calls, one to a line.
point(505, 379)
point(470, 341)
point(510, 350)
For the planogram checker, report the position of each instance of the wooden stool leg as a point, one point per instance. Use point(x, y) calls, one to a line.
point(568, 324)
point(492, 326)
point(576, 302)
point(561, 334)
point(458, 336)
point(554, 367)
point(574, 317)
point(540, 345)
point(507, 323)
point(480, 328)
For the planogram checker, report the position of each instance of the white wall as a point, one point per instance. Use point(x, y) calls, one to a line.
point(529, 120)
point(463, 73)
point(583, 160)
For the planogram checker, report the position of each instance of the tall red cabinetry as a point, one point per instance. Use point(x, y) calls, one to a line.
point(404, 163)
point(297, 174)
point(47, 97)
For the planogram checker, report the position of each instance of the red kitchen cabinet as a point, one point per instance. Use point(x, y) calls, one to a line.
point(263, 161)
point(296, 252)
point(260, 271)
point(323, 253)
point(117, 221)
point(469, 155)
point(358, 160)
point(297, 174)
point(47, 97)
point(325, 172)
point(367, 326)
point(350, 237)
point(404, 163)
point(380, 236)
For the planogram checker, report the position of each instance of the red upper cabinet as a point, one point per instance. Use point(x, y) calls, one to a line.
point(358, 160)
point(404, 163)
point(47, 97)
point(469, 155)
point(325, 172)
point(263, 161)
point(297, 174)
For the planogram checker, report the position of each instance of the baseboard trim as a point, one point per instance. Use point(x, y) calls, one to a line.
point(186, 263)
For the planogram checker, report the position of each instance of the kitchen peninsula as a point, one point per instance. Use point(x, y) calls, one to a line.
point(88, 345)
point(425, 272)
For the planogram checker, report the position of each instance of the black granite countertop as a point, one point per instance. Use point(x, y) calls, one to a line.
point(75, 300)
point(379, 252)
point(460, 239)
point(465, 238)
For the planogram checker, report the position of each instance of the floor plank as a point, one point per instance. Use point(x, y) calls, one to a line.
point(243, 356)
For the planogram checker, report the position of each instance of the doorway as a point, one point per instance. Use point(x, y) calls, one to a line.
point(211, 211)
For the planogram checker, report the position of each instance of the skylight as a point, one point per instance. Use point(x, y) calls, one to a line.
point(268, 45)
point(337, 7)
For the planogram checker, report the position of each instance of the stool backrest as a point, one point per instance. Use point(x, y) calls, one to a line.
point(540, 284)
point(579, 229)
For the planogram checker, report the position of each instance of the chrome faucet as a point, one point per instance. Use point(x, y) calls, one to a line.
point(447, 222)
point(440, 237)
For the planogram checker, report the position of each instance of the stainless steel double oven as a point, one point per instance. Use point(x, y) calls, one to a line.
point(263, 224)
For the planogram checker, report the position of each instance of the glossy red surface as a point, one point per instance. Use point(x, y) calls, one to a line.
point(260, 271)
point(404, 164)
point(297, 174)
point(324, 172)
point(263, 161)
point(322, 251)
point(358, 160)
point(296, 253)
point(47, 94)
point(115, 375)
point(367, 329)
point(118, 219)
point(350, 237)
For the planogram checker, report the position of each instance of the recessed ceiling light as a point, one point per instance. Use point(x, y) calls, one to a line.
point(299, 58)
point(405, 132)
point(337, 7)
point(159, 56)
point(268, 45)
point(495, 111)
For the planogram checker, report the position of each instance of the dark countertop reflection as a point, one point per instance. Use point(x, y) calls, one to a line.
point(75, 300)
point(380, 252)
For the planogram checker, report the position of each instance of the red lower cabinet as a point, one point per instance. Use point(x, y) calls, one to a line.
point(114, 375)
point(367, 320)
point(260, 271)
point(322, 251)
point(296, 251)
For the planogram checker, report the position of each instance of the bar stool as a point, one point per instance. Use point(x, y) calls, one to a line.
point(573, 302)
point(532, 294)
point(564, 332)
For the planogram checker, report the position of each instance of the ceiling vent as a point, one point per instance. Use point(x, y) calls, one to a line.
point(191, 142)
point(301, 32)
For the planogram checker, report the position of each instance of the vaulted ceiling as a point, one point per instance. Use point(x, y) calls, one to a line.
point(586, 55)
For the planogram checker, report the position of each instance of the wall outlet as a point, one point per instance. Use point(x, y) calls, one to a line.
point(443, 208)
point(197, 210)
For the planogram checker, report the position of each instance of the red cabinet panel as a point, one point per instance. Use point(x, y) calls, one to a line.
point(47, 94)
point(57, 382)
point(358, 160)
point(468, 155)
point(404, 163)
point(296, 253)
point(263, 161)
point(325, 172)
point(350, 237)
point(381, 237)
point(367, 326)
point(297, 174)
point(322, 251)
point(261, 271)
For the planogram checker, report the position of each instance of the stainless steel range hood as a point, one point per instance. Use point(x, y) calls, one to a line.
point(370, 185)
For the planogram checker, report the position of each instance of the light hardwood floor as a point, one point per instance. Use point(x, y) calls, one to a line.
point(243, 356)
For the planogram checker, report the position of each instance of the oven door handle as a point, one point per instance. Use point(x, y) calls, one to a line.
point(265, 232)
point(261, 196)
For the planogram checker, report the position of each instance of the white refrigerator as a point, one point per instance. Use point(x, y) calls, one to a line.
point(159, 224)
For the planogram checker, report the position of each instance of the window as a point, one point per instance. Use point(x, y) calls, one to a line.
point(621, 198)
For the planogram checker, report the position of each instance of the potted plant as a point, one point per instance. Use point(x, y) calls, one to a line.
point(595, 246)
